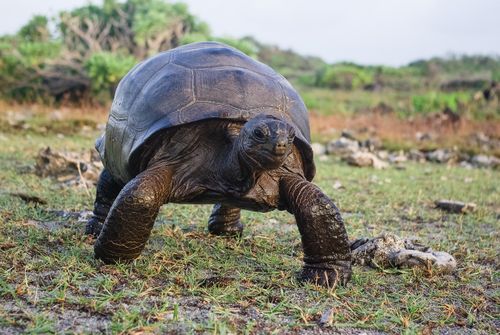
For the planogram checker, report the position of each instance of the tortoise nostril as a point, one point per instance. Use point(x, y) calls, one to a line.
point(280, 147)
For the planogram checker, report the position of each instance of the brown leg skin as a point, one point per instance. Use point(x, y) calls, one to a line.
point(225, 220)
point(107, 191)
point(131, 218)
point(327, 255)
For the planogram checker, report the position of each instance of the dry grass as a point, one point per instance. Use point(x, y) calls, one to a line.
point(394, 130)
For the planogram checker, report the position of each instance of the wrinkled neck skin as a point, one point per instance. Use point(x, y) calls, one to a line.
point(240, 171)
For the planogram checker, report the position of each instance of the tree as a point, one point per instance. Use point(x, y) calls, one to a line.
point(93, 47)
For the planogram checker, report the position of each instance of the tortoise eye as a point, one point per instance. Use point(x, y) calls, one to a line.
point(259, 134)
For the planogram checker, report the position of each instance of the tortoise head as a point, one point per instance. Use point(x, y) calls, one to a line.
point(266, 142)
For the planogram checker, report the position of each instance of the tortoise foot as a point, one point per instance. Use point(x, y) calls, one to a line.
point(221, 229)
point(225, 221)
point(327, 275)
point(114, 257)
point(93, 227)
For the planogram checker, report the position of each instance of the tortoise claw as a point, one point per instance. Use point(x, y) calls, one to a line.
point(327, 275)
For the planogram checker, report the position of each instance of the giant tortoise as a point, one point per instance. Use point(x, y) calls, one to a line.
point(205, 124)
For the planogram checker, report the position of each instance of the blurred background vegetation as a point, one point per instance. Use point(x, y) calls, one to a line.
point(80, 56)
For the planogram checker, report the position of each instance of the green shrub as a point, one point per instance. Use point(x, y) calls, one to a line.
point(106, 69)
point(437, 101)
point(344, 76)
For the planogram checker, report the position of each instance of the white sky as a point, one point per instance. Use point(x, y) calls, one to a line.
point(392, 32)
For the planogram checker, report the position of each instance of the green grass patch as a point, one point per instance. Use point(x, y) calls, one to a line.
point(187, 281)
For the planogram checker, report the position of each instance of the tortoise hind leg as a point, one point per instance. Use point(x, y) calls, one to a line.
point(327, 255)
point(225, 220)
point(106, 193)
point(131, 218)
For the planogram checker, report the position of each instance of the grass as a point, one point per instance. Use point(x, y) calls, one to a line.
point(187, 281)
point(404, 104)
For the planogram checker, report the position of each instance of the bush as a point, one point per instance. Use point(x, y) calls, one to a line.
point(344, 76)
point(105, 71)
point(436, 101)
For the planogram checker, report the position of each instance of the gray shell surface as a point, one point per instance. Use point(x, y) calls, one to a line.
point(195, 82)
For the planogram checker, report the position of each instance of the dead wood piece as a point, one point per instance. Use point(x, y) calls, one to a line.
point(455, 206)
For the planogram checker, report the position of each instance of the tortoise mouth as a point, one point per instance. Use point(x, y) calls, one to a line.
point(277, 153)
point(272, 159)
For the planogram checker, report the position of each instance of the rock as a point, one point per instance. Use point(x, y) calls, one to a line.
point(383, 154)
point(445, 261)
point(440, 156)
point(389, 250)
point(485, 161)
point(363, 159)
point(397, 158)
point(466, 165)
point(318, 149)
point(372, 144)
point(342, 146)
point(376, 252)
point(348, 134)
point(419, 136)
point(416, 155)
point(441, 261)
point(482, 138)
point(338, 185)
point(455, 206)
point(327, 317)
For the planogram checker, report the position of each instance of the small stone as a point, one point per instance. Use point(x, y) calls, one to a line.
point(372, 144)
point(389, 250)
point(416, 155)
point(440, 156)
point(397, 158)
point(342, 146)
point(466, 165)
point(363, 159)
point(485, 161)
point(419, 136)
point(338, 185)
point(326, 318)
point(441, 261)
point(273, 221)
point(383, 154)
point(348, 134)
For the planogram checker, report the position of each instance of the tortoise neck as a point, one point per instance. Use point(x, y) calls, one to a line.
point(238, 170)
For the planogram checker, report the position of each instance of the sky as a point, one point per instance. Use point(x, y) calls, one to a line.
point(389, 32)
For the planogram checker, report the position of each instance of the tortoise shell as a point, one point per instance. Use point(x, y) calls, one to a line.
point(192, 83)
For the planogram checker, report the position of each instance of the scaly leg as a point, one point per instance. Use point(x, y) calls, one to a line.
point(131, 218)
point(225, 220)
point(106, 193)
point(327, 255)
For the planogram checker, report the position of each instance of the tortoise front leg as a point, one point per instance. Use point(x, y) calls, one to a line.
point(327, 255)
point(225, 220)
point(106, 193)
point(131, 218)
